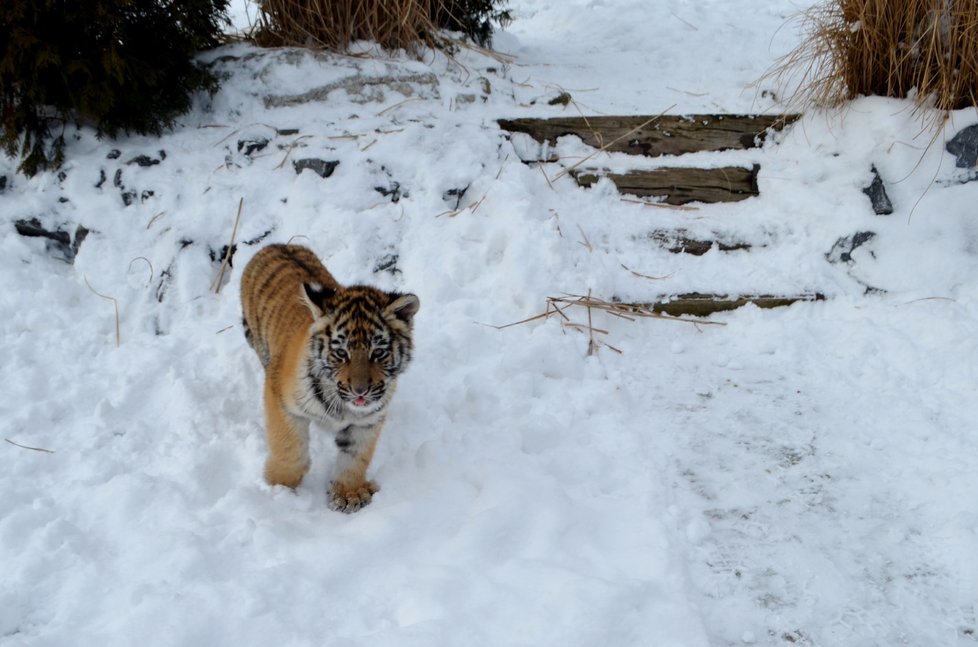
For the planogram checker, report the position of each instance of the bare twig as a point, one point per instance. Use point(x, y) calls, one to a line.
point(397, 105)
point(547, 178)
point(33, 449)
point(626, 311)
point(591, 346)
point(154, 219)
point(585, 243)
point(219, 281)
point(644, 276)
point(115, 304)
point(294, 144)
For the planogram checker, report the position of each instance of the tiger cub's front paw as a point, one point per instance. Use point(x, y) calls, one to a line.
point(350, 498)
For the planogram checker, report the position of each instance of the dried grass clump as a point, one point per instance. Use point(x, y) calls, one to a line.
point(334, 24)
point(393, 24)
point(925, 49)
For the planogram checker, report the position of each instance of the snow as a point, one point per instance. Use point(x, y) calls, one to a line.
point(803, 475)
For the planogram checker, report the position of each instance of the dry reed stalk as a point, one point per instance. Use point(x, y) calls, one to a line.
point(335, 24)
point(115, 304)
point(33, 449)
point(219, 281)
point(924, 49)
point(627, 311)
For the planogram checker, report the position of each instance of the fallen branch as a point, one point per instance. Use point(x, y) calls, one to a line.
point(626, 311)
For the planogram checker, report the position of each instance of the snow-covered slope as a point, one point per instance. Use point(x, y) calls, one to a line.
point(796, 476)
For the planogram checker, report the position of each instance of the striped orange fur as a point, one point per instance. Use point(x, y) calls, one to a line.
point(332, 355)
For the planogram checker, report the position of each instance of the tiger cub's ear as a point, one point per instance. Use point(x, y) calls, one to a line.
point(315, 296)
point(403, 306)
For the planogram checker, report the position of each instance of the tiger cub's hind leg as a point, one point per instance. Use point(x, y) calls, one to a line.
point(350, 490)
point(288, 444)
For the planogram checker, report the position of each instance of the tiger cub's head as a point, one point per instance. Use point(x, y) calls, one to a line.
point(361, 341)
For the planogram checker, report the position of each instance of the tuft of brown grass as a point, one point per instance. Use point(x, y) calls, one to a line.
point(924, 49)
point(334, 24)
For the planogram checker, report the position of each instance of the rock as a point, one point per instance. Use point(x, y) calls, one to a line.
point(454, 196)
point(877, 195)
point(114, 154)
point(322, 168)
point(253, 145)
point(60, 243)
point(964, 146)
point(393, 192)
point(387, 263)
point(843, 248)
point(146, 160)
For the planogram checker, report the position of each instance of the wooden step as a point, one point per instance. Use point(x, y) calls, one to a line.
point(701, 305)
point(678, 242)
point(680, 185)
point(654, 136)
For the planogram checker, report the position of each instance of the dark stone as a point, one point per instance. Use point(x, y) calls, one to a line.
point(393, 192)
point(146, 195)
point(101, 178)
point(59, 241)
point(128, 197)
point(964, 146)
point(387, 263)
point(877, 195)
point(218, 257)
point(259, 238)
point(114, 154)
point(144, 160)
point(117, 179)
point(285, 132)
point(454, 196)
point(844, 247)
point(62, 176)
point(166, 277)
point(322, 168)
point(250, 146)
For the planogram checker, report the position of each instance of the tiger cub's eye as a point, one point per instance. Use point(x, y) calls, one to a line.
point(379, 354)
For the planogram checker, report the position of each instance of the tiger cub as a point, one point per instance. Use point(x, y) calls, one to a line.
point(331, 355)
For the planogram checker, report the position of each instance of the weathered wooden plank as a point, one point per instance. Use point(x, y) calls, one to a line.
point(680, 243)
point(665, 135)
point(701, 305)
point(681, 185)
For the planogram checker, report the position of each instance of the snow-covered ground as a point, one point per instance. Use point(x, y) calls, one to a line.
point(806, 475)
